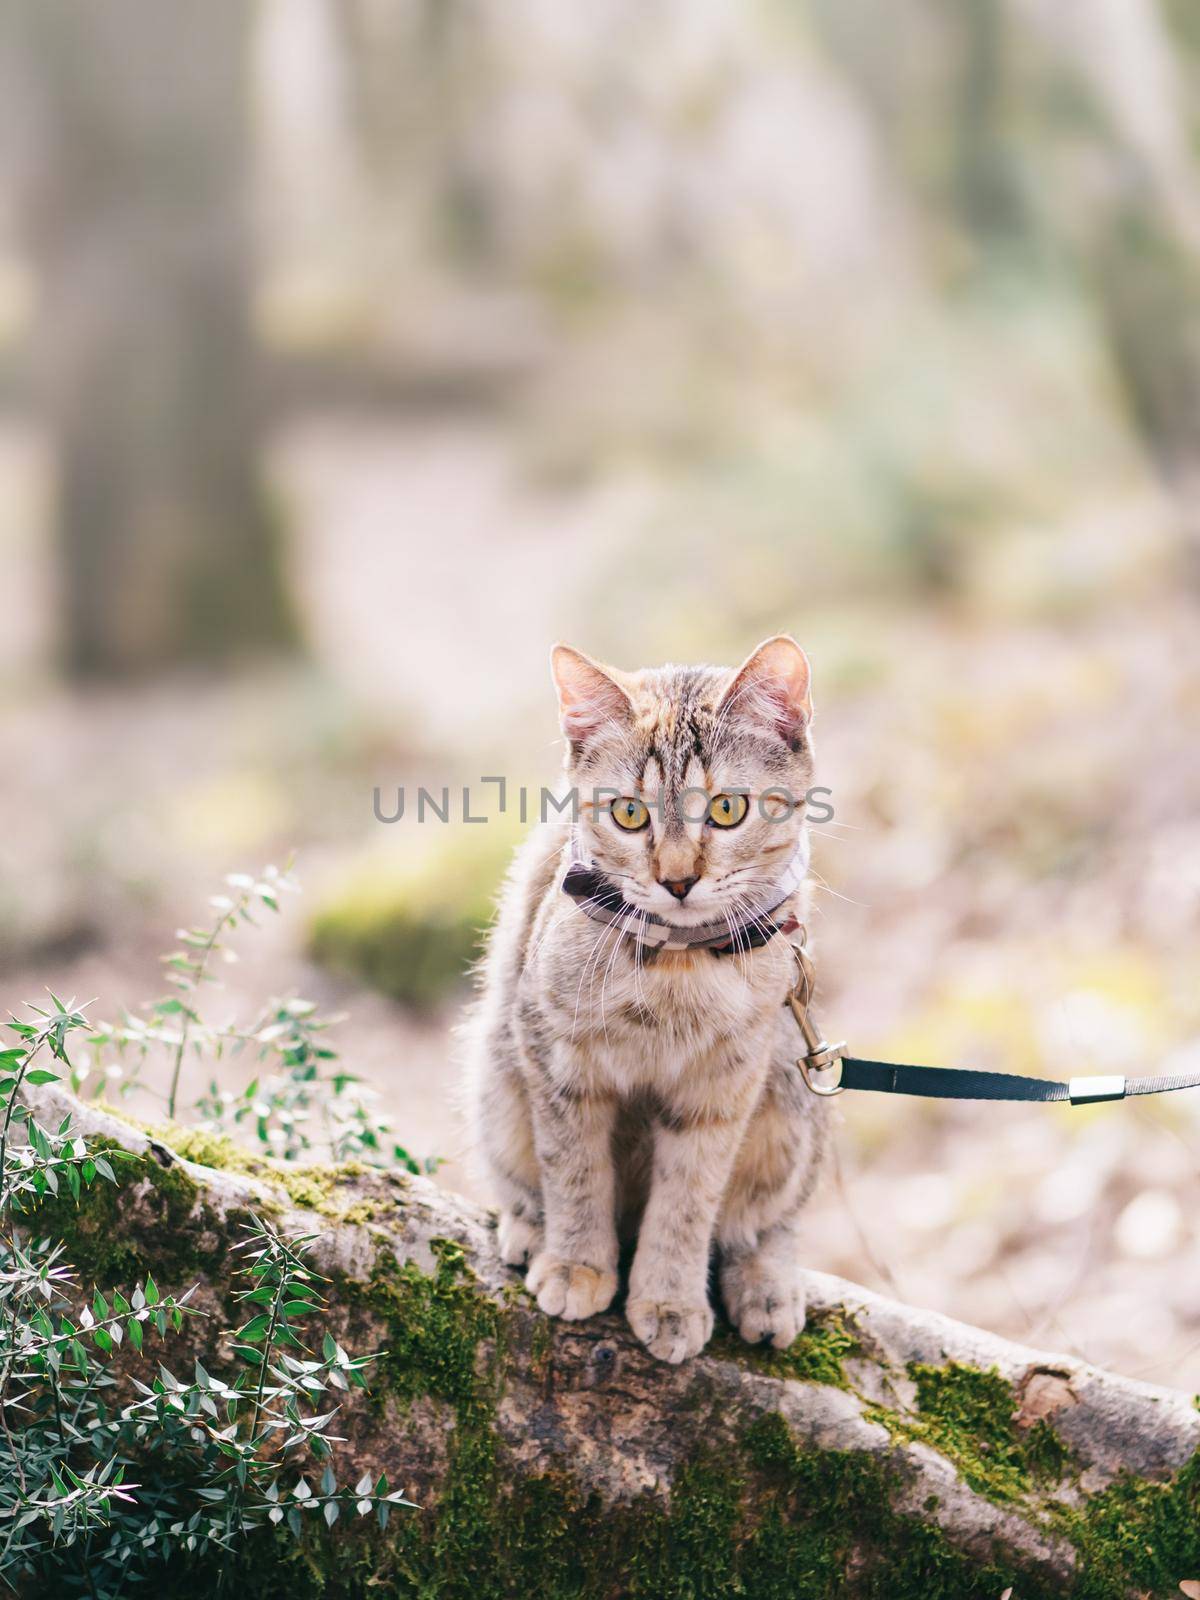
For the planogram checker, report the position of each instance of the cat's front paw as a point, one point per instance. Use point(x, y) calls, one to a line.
point(763, 1303)
point(670, 1332)
point(518, 1238)
point(569, 1289)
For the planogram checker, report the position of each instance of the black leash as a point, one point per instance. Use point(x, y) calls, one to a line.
point(961, 1083)
point(827, 1069)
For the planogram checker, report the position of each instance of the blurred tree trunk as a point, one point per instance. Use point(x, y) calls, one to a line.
point(1133, 213)
point(1104, 96)
point(134, 118)
point(416, 77)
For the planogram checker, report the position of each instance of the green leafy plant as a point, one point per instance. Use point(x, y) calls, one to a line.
point(117, 1472)
point(52, 1495)
point(229, 1451)
point(301, 1102)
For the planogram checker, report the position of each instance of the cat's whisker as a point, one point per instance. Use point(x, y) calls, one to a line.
point(754, 918)
point(728, 920)
point(820, 883)
point(588, 965)
point(555, 924)
point(584, 976)
point(627, 918)
point(639, 962)
point(611, 934)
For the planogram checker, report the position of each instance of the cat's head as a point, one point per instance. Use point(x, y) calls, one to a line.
point(690, 780)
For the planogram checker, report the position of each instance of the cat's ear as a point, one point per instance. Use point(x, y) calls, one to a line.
point(772, 687)
point(589, 695)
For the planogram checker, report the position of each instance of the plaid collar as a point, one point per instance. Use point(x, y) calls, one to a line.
point(599, 898)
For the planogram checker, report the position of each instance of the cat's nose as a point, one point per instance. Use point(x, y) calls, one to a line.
point(678, 886)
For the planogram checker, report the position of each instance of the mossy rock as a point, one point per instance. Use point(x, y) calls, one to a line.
point(890, 1454)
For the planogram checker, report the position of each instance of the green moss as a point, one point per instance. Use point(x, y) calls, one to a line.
point(313, 1185)
point(833, 1514)
point(815, 1356)
point(435, 1328)
point(696, 1549)
point(205, 1149)
point(970, 1417)
point(1133, 1536)
point(1046, 1458)
point(1137, 1536)
point(153, 1220)
point(318, 1188)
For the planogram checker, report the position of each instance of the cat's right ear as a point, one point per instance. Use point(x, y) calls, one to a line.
point(589, 695)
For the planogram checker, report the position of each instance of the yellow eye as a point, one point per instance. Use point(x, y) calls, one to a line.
point(630, 814)
point(727, 810)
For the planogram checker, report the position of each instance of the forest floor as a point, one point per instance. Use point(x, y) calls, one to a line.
point(1011, 881)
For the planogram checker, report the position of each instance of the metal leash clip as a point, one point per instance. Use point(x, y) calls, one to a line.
point(820, 1056)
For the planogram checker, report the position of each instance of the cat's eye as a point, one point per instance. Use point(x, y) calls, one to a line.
point(630, 814)
point(727, 810)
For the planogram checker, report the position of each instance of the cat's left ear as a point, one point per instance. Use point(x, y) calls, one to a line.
point(772, 686)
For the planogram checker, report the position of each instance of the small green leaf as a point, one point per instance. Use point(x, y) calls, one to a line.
point(298, 1308)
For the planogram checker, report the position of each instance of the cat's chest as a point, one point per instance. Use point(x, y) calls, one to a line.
point(699, 984)
point(675, 1009)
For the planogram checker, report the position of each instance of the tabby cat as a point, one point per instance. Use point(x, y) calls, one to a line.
point(632, 1061)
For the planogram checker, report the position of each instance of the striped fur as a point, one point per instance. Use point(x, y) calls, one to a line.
point(625, 1093)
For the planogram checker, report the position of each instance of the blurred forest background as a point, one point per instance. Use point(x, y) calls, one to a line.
point(351, 351)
